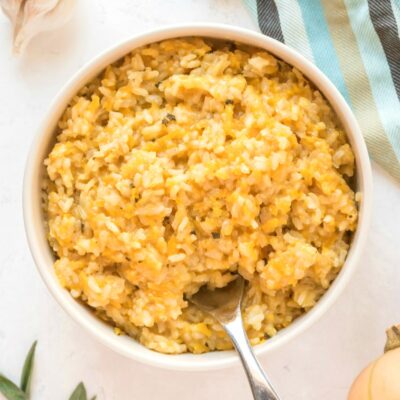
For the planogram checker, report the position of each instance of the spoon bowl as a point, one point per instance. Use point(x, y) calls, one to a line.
point(223, 303)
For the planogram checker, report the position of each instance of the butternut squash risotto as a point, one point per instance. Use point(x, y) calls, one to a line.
point(188, 162)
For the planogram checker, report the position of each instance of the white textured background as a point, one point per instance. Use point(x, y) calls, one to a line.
point(320, 364)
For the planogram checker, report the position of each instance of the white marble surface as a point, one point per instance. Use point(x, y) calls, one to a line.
point(320, 364)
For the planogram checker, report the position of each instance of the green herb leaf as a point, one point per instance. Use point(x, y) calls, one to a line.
point(79, 393)
point(10, 390)
point(26, 374)
point(93, 398)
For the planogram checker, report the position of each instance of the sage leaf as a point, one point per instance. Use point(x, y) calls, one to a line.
point(10, 390)
point(79, 393)
point(26, 375)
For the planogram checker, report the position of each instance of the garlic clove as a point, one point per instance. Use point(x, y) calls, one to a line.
point(35, 16)
point(11, 8)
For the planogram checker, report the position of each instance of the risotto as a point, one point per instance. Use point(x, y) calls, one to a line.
point(188, 162)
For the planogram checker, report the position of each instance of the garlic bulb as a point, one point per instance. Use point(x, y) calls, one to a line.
point(29, 17)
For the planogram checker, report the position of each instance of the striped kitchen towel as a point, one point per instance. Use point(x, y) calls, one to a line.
point(357, 44)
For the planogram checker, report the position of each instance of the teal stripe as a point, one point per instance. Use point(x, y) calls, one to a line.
point(252, 6)
point(293, 28)
point(396, 12)
point(321, 43)
point(377, 69)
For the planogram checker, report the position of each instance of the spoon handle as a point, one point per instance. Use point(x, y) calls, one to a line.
point(259, 383)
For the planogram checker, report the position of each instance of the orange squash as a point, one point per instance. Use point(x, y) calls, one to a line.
point(381, 379)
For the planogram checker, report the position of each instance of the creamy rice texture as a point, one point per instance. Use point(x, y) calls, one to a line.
point(185, 163)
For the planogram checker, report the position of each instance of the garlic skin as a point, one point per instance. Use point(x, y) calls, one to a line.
point(30, 17)
point(11, 9)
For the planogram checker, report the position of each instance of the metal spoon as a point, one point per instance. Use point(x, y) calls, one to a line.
point(224, 305)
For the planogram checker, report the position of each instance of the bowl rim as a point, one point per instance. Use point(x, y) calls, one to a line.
point(127, 347)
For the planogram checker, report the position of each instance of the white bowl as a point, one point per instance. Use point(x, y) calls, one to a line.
point(44, 257)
